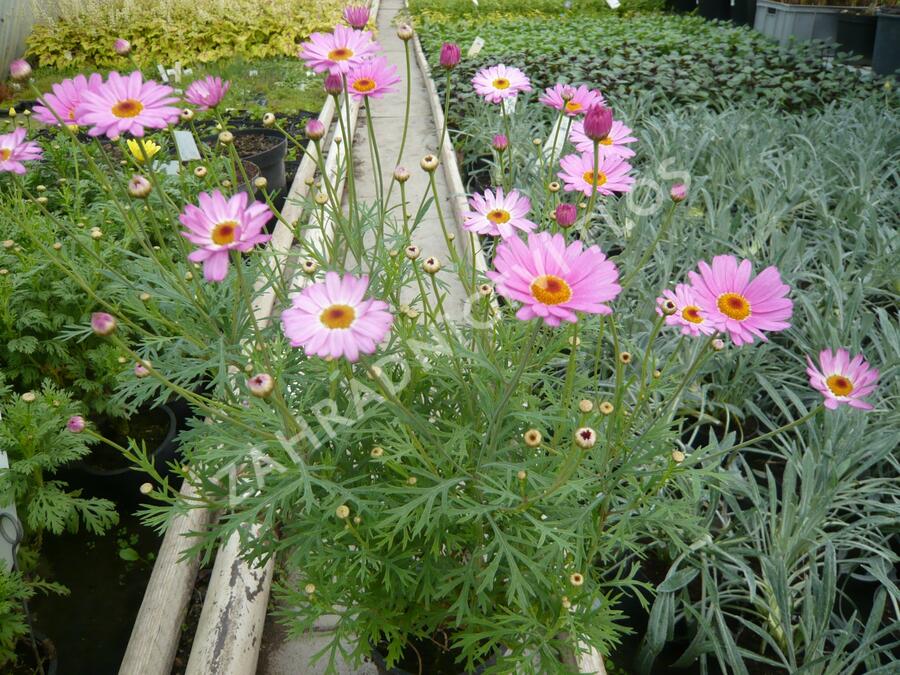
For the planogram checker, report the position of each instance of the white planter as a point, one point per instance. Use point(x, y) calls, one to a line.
point(782, 22)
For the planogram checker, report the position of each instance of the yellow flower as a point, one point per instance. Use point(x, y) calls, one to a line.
point(149, 149)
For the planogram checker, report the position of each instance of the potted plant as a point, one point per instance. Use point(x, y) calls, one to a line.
point(886, 52)
point(743, 12)
point(265, 149)
point(797, 19)
point(856, 30)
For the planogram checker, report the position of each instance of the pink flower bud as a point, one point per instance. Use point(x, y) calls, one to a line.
point(598, 122)
point(566, 214)
point(450, 55)
point(139, 187)
point(75, 424)
point(357, 16)
point(500, 143)
point(261, 385)
point(103, 323)
point(678, 193)
point(314, 130)
point(141, 370)
point(19, 69)
point(334, 85)
point(122, 47)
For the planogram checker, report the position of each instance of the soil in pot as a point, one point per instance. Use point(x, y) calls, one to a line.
point(29, 653)
point(886, 54)
point(106, 577)
point(856, 34)
point(424, 657)
point(267, 149)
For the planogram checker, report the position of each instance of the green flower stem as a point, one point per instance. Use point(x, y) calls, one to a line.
point(704, 353)
point(590, 207)
point(451, 248)
point(567, 386)
point(667, 221)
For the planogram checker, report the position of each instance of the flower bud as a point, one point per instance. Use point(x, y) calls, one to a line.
point(431, 265)
point(598, 122)
point(75, 424)
point(718, 344)
point(585, 405)
point(342, 512)
point(532, 438)
point(187, 115)
point(521, 475)
point(226, 138)
point(678, 456)
point(334, 85)
point(625, 357)
point(314, 130)
point(146, 488)
point(405, 32)
point(401, 174)
point(321, 198)
point(260, 183)
point(261, 385)
point(268, 120)
point(486, 290)
point(678, 193)
point(310, 266)
point(122, 47)
point(139, 187)
point(200, 172)
point(429, 163)
point(668, 307)
point(412, 251)
point(606, 408)
point(141, 369)
point(500, 143)
point(309, 589)
point(357, 16)
point(19, 70)
point(576, 579)
point(376, 452)
point(29, 397)
point(103, 324)
point(553, 187)
point(450, 55)
point(566, 215)
point(585, 437)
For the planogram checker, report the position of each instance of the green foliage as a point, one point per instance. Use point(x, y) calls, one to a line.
point(13, 591)
point(660, 59)
point(492, 10)
point(178, 30)
point(35, 438)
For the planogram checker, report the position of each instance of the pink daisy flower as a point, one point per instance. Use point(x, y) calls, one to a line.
point(499, 82)
point(14, 150)
point(688, 314)
point(207, 93)
point(126, 104)
point(373, 77)
point(842, 381)
point(612, 174)
point(337, 52)
point(571, 101)
point(735, 304)
point(499, 214)
point(221, 225)
point(332, 319)
point(614, 145)
point(61, 104)
point(554, 281)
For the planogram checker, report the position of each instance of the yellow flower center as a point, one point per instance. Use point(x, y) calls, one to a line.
point(340, 54)
point(549, 289)
point(590, 180)
point(5, 154)
point(337, 316)
point(364, 84)
point(606, 141)
point(498, 216)
point(71, 114)
point(127, 108)
point(839, 385)
point(573, 106)
point(224, 232)
point(734, 306)
point(692, 313)
point(501, 83)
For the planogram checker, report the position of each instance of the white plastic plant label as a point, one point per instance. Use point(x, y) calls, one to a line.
point(187, 146)
point(615, 4)
point(477, 44)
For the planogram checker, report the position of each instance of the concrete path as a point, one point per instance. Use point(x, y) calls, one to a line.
point(280, 654)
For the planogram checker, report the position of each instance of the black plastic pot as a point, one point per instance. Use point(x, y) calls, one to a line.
point(681, 6)
point(856, 34)
point(715, 9)
point(45, 647)
point(743, 12)
point(270, 161)
point(886, 53)
point(428, 666)
point(125, 479)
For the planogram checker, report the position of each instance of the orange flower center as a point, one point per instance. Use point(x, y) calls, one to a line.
point(573, 106)
point(501, 83)
point(498, 216)
point(127, 108)
point(340, 54)
point(692, 313)
point(591, 180)
point(224, 232)
point(337, 316)
point(606, 141)
point(5, 154)
point(839, 385)
point(549, 289)
point(734, 306)
point(364, 84)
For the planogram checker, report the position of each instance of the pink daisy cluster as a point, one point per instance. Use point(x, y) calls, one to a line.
point(570, 100)
point(60, 105)
point(333, 319)
point(14, 150)
point(220, 225)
